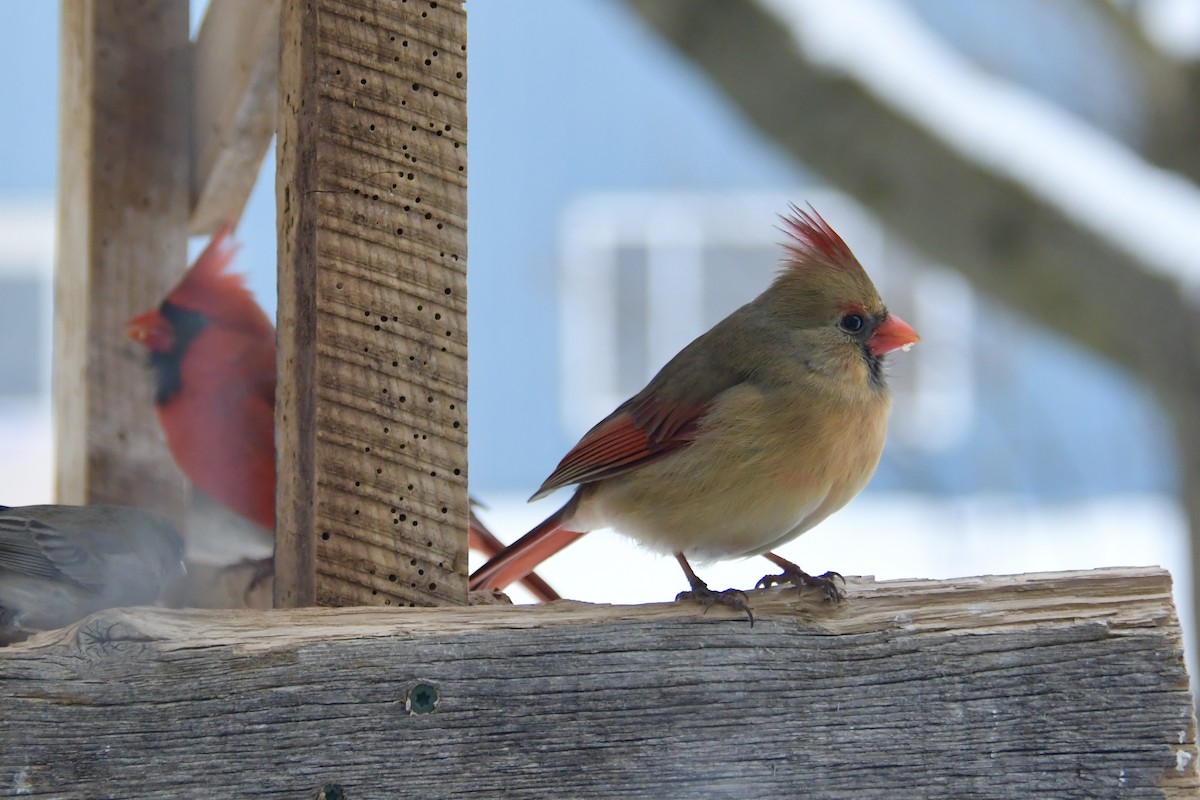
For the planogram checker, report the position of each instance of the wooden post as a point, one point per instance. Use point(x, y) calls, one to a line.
point(122, 223)
point(1029, 686)
point(371, 405)
point(235, 66)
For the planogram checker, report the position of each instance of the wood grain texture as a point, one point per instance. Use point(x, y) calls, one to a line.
point(1067, 685)
point(122, 227)
point(371, 197)
point(235, 85)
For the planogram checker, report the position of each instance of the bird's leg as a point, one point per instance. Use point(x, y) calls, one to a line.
point(263, 568)
point(799, 578)
point(707, 597)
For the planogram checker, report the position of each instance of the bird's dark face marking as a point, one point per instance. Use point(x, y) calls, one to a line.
point(859, 326)
point(166, 365)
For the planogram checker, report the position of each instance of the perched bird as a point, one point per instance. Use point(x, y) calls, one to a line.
point(60, 563)
point(751, 435)
point(212, 349)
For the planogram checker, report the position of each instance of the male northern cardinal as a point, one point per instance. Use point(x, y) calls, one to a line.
point(212, 349)
point(752, 434)
point(60, 563)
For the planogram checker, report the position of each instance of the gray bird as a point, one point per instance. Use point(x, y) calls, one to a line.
point(60, 563)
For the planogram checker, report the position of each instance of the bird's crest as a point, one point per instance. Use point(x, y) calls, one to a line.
point(207, 278)
point(812, 240)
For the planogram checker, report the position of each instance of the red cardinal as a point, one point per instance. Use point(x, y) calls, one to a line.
point(213, 352)
point(752, 434)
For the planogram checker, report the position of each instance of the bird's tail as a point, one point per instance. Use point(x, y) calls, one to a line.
point(483, 540)
point(522, 556)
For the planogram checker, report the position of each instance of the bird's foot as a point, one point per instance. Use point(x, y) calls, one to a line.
point(734, 598)
point(263, 568)
point(827, 583)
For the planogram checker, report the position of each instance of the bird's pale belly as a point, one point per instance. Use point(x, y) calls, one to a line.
point(734, 500)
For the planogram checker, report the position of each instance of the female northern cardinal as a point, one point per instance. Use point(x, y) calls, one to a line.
point(61, 563)
point(751, 435)
point(213, 352)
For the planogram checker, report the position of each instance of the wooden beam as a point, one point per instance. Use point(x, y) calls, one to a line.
point(1062, 685)
point(122, 224)
point(235, 67)
point(371, 410)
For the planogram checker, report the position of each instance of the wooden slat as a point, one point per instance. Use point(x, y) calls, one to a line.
point(235, 69)
point(122, 224)
point(1036, 686)
point(371, 197)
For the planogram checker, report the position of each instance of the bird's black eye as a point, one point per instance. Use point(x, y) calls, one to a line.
point(851, 323)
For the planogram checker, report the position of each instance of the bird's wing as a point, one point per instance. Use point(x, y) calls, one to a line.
point(32, 547)
point(662, 418)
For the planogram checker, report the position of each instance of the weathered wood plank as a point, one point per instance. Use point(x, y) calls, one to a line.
point(371, 197)
point(1068, 685)
point(122, 228)
point(235, 84)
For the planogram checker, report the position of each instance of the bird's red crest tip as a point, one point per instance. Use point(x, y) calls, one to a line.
point(811, 235)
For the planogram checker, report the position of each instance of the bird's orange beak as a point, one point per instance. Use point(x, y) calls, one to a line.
point(892, 334)
point(151, 330)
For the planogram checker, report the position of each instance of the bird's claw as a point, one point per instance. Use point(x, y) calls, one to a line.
point(264, 568)
point(827, 583)
point(734, 598)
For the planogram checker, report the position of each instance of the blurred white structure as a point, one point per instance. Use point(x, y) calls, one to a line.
point(26, 326)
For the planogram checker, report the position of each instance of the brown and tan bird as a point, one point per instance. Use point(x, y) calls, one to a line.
point(751, 435)
point(60, 563)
